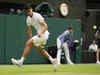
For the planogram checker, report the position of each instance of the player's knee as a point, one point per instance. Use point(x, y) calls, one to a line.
point(29, 43)
point(40, 49)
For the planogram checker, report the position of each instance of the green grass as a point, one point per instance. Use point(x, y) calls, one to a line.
point(76, 69)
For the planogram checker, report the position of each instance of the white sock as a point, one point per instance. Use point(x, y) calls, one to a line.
point(59, 55)
point(22, 59)
point(98, 60)
point(50, 58)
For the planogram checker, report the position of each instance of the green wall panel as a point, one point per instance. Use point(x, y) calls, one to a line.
point(2, 39)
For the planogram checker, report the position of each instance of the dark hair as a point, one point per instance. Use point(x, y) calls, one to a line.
point(69, 28)
point(28, 6)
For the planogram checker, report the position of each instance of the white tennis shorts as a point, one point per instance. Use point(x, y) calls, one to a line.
point(41, 41)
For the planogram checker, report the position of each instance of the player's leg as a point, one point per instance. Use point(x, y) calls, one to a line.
point(19, 62)
point(40, 43)
point(66, 49)
point(45, 53)
point(98, 51)
point(59, 50)
point(27, 48)
point(97, 56)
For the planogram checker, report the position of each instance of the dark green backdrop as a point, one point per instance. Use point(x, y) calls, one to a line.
point(13, 35)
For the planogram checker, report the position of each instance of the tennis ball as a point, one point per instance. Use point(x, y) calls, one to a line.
point(94, 27)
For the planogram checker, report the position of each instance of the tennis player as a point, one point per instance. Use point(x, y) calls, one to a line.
point(37, 21)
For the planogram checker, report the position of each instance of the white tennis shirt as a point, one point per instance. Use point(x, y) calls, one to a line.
point(35, 21)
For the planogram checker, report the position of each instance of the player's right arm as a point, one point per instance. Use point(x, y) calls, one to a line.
point(29, 31)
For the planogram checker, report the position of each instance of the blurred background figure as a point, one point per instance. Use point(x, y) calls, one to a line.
point(64, 41)
point(98, 43)
point(94, 48)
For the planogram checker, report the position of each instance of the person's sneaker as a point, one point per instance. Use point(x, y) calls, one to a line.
point(59, 63)
point(70, 63)
point(98, 62)
point(19, 63)
point(55, 64)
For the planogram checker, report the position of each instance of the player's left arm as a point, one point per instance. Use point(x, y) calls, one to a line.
point(44, 28)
